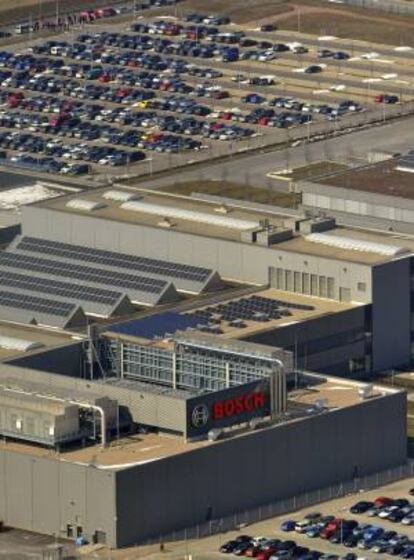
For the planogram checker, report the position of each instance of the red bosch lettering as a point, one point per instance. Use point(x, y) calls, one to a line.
point(238, 405)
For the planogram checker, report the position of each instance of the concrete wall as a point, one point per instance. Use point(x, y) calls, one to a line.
point(385, 211)
point(65, 360)
point(391, 315)
point(232, 259)
point(260, 467)
point(165, 411)
point(45, 495)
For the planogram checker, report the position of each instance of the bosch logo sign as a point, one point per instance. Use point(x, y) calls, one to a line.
point(200, 416)
point(227, 409)
point(238, 405)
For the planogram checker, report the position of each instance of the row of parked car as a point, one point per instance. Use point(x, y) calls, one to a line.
point(336, 530)
point(399, 510)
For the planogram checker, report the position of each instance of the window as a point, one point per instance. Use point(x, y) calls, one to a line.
point(289, 281)
point(305, 283)
point(314, 285)
point(331, 287)
point(297, 282)
point(322, 286)
point(280, 279)
point(361, 287)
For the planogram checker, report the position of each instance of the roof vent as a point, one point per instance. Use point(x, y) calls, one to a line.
point(213, 435)
point(222, 209)
point(320, 404)
point(84, 204)
point(351, 244)
point(165, 223)
point(18, 344)
point(120, 196)
point(366, 391)
point(189, 215)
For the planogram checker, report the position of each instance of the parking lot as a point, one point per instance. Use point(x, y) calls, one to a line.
point(162, 92)
point(208, 548)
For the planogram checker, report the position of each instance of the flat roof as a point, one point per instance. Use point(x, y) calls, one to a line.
point(46, 339)
point(113, 211)
point(143, 448)
point(379, 178)
point(183, 205)
point(320, 307)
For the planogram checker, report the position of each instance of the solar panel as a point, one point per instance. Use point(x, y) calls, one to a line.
point(57, 288)
point(158, 325)
point(86, 273)
point(36, 304)
point(114, 259)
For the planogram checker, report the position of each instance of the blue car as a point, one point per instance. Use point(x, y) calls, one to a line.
point(288, 525)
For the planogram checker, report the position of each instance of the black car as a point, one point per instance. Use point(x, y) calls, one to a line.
point(361, 507)
point(267, 28)
point(229, 546)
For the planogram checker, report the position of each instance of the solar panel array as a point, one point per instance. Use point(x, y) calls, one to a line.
point(85, 273)
point(36, 304)
point(57, 288)
point(114, 259)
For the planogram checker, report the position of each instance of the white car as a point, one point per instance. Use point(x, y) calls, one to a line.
point(301, 526)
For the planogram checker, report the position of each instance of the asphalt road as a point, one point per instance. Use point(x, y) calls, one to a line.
point(393, 137)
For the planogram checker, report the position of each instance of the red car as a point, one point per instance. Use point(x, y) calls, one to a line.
point(252, 551)
point(266, 554)
point(330, 529)
point(383, 501)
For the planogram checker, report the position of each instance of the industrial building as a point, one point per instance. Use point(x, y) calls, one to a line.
point(111, 494)
point(297, 255)
point(181, 338)
point(378, 195)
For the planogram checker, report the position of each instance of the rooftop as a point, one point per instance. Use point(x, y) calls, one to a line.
point(305, 308)
point(332, 392)
point(18, 340)
point(210, 219)
point(379, 178)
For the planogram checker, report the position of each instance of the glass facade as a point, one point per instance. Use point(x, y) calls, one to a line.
point(191, 367)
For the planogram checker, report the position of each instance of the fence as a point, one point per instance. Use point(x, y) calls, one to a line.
point(294, 503)
point(402, 7)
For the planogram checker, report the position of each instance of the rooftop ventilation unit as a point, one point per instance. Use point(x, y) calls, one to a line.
point(190, 215)
point(366, 391)
point(320, 404)
point(213, 435)
point(84, 205)
point(120, 196)
point(350, 244)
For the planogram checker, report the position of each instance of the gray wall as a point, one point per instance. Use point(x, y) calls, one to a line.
point(65, 360)
point(384, 211)
point(165, 411)
point(260, 467)
point(45, 495)
point(324, 344)
point(232, 259)
point(391, 314)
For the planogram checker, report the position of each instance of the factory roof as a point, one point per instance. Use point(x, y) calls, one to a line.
point(210, 219)
point(20, 340)
point(320, 396)
point(379, 178)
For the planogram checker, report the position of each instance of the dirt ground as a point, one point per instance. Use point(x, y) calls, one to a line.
point(234, 190)
point(309, 16)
